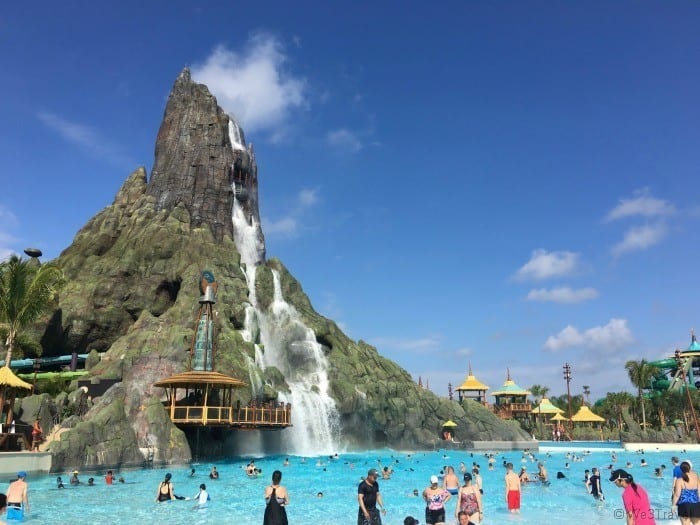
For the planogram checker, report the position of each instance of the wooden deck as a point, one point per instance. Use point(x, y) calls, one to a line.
point(268, 417)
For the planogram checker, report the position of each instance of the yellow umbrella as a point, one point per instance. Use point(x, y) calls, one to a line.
point(559, 417)
point(449, 423)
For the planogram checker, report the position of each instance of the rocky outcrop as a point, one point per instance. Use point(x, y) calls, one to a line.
point(200, 153)
point(133, 272)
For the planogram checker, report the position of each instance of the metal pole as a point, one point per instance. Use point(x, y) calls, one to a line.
point(567, 376)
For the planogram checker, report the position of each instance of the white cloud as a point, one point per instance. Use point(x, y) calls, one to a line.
point(544, 265)
point(345, 140)
point(613, 336)
point(290, 226)
point(642, 204)
point(87, 138)
point(640, 238)
point(465, 352)
point(253, 85)
point(564, 295)
point(286, 227)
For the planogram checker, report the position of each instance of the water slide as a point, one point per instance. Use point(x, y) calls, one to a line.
point(674, 373)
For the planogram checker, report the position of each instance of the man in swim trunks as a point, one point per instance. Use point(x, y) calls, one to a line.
point(17, 492)
point(512, 489)
point(368, 497)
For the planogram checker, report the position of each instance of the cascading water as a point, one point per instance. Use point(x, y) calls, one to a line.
point(289, 344)
point(292, 347)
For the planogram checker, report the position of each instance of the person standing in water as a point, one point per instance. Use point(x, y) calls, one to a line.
point(435, 499)
point(686, 497)
point(512, 489)
point(17, 493)
point(634, 498)
point(277, 499)
point(368, 497)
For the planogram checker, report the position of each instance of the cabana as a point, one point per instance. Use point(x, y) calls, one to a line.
point(472, 388)
point(511, 401)
point(584, 415)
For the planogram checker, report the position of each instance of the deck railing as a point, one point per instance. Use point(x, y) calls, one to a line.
point(274, 415)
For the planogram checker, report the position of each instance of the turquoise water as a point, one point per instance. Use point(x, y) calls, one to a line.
point(235, 497)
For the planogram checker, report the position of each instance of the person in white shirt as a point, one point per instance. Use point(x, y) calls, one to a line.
point(202, 496)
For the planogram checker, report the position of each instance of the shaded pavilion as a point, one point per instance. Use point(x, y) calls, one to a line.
point(202, 397)
point(9, 384)
point(511, 401)
point(585, 415)
point(473, 389)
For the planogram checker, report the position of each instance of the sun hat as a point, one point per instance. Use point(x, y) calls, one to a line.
point(620, 474)
point(76, 472)
point(434, 480)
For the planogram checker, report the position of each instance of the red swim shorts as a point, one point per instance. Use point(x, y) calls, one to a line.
point(513, 499)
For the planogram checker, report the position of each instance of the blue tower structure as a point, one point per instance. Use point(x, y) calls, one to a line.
point(202, 350)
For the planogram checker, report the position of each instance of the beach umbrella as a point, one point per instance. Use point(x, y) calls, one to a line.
point(559, 417)
point(449, 423)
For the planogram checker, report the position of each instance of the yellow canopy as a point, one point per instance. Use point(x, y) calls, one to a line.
point(472, 383)
point(559, 417)
point(449, 423)
point(584, 414)
point(546, 407)
point(8, 378)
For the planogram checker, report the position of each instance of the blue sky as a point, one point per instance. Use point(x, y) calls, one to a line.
point(505, 183)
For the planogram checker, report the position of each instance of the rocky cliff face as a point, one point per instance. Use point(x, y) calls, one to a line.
point(133, 274)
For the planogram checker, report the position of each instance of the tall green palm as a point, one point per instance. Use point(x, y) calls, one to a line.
point(27, 290)
point(587, 392)
point(640, 374)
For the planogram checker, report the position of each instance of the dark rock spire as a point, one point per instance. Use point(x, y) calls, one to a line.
point(196, 162)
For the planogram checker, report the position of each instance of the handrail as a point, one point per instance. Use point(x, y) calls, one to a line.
point(234, 416)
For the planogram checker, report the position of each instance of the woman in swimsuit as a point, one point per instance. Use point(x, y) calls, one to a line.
point(469, 500)
point(277, 499)
point(165, 489)
point(435, 498)
point(685, 495)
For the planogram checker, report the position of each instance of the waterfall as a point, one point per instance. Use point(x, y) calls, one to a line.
point(235, 135)
point(288, 345)
point(292, 347)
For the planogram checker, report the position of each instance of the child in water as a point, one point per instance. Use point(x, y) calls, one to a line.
point(202, 496)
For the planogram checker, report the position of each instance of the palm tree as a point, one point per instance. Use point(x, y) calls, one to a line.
point(27, 290)
point(640, 374)
point(587, 392)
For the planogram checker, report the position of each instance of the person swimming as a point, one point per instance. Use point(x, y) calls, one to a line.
point(59, 483)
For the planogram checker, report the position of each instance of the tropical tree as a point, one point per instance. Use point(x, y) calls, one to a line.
point(612, 406)
point(27, 290)
point(640, 374)
point(587, 392)
point(539, 391)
